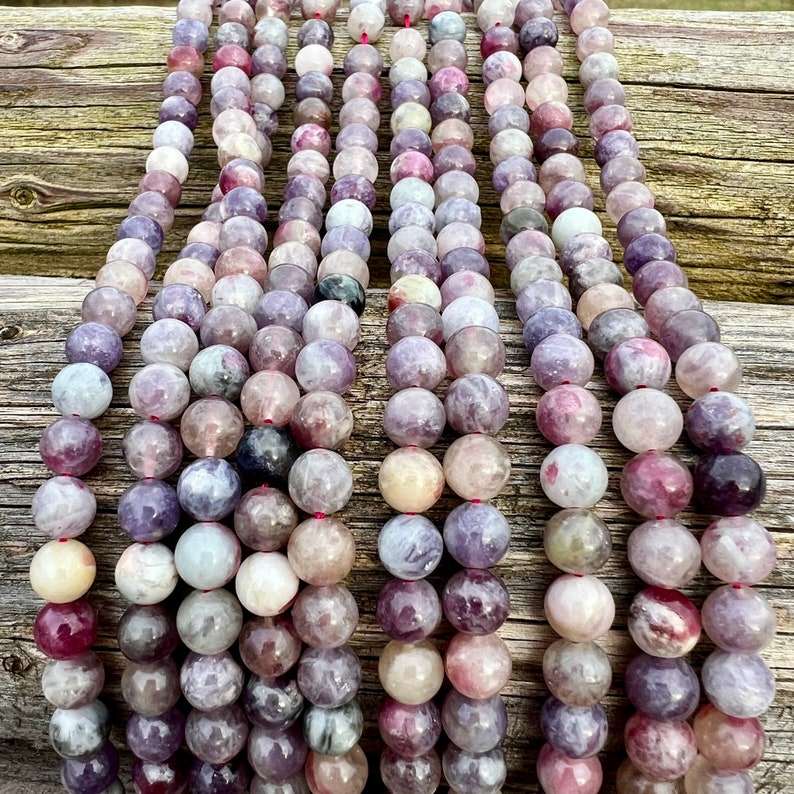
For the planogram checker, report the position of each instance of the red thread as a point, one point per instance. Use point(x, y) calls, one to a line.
point(62, 540)
point(364, 38)
point(319, 516)
point(407, 21)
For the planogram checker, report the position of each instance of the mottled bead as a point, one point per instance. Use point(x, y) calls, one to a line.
point(93, 775)
point(168, 777)
point(411, 673)
point(269, 646)
point(705, 778)
point(475, 601)
point(740, 685)
point(409, 730)
point(418, 774)
point(410, 546)
point(329, 677)
point(151, 688)
point(414, 417)
point(67, 630)
point(273, 704)
point(229, 778)
point(147, 633)
point(647, 419)
point(410, 479)
point(467, 311)
point(738, 619)
point(568, 414)
point(476, 467)
point(180, 302)
point(270, 567)
point(729, 484)
point(574, 731)
point(547, 322)
point(277, 754)
point(325, 617)
point(209, 489)
point(728, 742)
point(478, 666)
point(211, 681)
point(63, 507)
point(476, 404)
point(631, 780)
point(475, 726)
point(577, 541)
point(72, 682)
point(155, 738)
point(475, 350)
point(573, 475)
point(476, 534)
point(342, 774)
point(81, 389)
point(707, 365)
point(662, 689)
point(739, 550)
point(333, 731)
point(560, 358)
point(656, 485)
point(148, 510)
point(145, 573)
point(577, 673)
point(216, 736)
point(62, 571)
point(557, 773)
point(159, 391)
point(664, 553)
point(579, 608)
point(474, 773)
point(265, 455)
point(209, 622)
point(663, 622)
point(637, 362)
point(661, 750)
point(614, 326)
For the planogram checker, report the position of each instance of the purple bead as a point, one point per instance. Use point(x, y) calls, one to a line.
point(329, 677)
point(93, 775)
point(640, 221)
point(560, 359)
point(354, 186)
point(300, 209)
point(511, 170)
point(277, 755)
point(409, 730)
point(635, 363)
point(411, 90)
point(356, 134)
point(414, 417)
point(547, 321)
point(266, 455)
point(415, 361)
point(475, 601)
point(180, 302)
point(646, 248)
point(414, 261)
point(244, 201)
point(204, 252)
point(346, 238)
point(729, 484)
point(450, 106)
point(476, 726)
point(655, 275)
point(280, 307)
point(498, 39)
point(272, 703)
point(685, 329)
point(148, 511)
point(216, 736)
point(537, 32)
point(474, 773)
point(408, 611)
point(615, 144)
point(614, 326)
point(464, 259)
point(476, 534)
point(142, 228)
point(209, 489)
point(738, 684)
point(540, 294)
point(476, 404)
point(410, 546)
point(94, 343)
point(147, 633)
point(656, 485)
point(583, 247)
point(231, 778)
point(411, 139)
point(556, 140)
point(453, 158)
point(574, 731)
point(71, 446)
point(738, 619)
point(177, 108)
point(325, 364)
point(412, 213)
point(720, 422)
point(156, 739)
point(190, 32)
point(662, 689)
point(414, 319)
point(419, 774)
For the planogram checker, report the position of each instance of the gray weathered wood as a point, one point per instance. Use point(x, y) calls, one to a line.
point(36, 315)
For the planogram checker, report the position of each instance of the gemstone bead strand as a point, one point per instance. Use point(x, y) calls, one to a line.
point(727, 482)
point(72, 446)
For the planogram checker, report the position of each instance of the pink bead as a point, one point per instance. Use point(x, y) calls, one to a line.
point(729, 742)
point(588, 14)
point(656, 485)
point(558, 168)
point(579, 608)
point(550, 115)
point(502, 91)
point(269, 397)
point(476, 466)
point(337, 774)
point(560, 775)
point(212, 427)
point(627, 196)
point(608, 118)
point(241, 260)
point(661, 750)
point(664, 622)
point(707, 366)
point(459, 235)
point(542, 60)
point(478, 666)
point(647, 419)
point(568, 414)
point(522, 194)
point(594, 39)
point(546, 87)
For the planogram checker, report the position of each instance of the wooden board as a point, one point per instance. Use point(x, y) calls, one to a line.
point(37, 313)
point(711, 95)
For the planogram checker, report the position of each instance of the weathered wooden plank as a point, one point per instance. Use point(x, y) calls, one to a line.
point(708, 94)
point(37, 313)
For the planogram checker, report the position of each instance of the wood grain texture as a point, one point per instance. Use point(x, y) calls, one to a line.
point(37, 313)
point(711, 94)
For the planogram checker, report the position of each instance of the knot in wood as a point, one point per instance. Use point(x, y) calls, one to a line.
point(17, 664)
point(23, 197)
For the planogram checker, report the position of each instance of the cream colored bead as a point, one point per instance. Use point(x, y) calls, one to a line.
point(266, 584)
point(62, 571)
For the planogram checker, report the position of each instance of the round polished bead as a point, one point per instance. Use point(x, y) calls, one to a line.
point(216, 736)
point(321, 551)
point(637, 362)
point(157, 738)
point(577, 541)
point(270, 567)
point(277, 755)
point(275, 347)
point(475, 601)
point(475, 726)
point(410, 480)
point(63, 507)
point(577, 673)
point(476, 534)
point(476, 404)
point(207, 778)
point(321, 419)
point(556, 771)
point(574, 731)
point(320, 481)
point(728, 742)
point(706, 366)
point(664, 553)
point(631, 780)
point(269, 398)
point(211, 681)
point(478, 666)
point(663, 622)
point(219, 370)
point(83, 390)
point(147, 633)
point(333, 731)
point(66, 630)
point(168, 777)
point(738, 549)
point(573, 475)
point(720, 422)
point(169, 341)
point(729, 484)
point(738, 619)
point(266, 455)
point(532, 268)
point(329, 677)
point(568, 414)
point(579, 608)
point(476, 467)
point(209, 489)
point(409, 730)
point(475, 350)
point(151, 688)
point(560, 358)
point(93, 775)
point(661, 750)
point(740, 685)
point(613, 327)
point(342, 774)
point(410, 546)
point(159, 391)
point(145, 573)
point(148, 510)
point(95, 343)
point(72, 682)
point(549, 321)
point(274, 704)
point(414, 417)
point(62, 571)
point(209, 622)
point(269, 647)
point(411, 673)
point(656, 485)
point(207, 555)
point(325, 617)
point(662, 689)
point(474, 773)
point(705, 778)
point(647, 419)
point(417, 774)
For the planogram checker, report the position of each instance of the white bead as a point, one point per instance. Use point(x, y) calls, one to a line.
point(266, 584)
point(207, 555)
point(573, 221)
point(168, 158)
point(572, 475)
point(82, 390)
point(145, 573)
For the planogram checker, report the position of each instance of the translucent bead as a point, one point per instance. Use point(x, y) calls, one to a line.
point(555, 771)
point(216, 736)
point(729, 484)
point(662, 689)
point(410, 480)
point(342, 774)
point(411, 673)
point(661, 750)
point(329, 677)
point(706, 366)
point(475, 601)
point(62, 571)
point(559, 359)
point(474, 773)
point(577, 541)
point(211, 681)
point(145, 573)
point(147, 633)
point(579, 608)
point(577, 673)
point(663, 622)
point(573, 475)
point(418, 774)
point(568, 414)
point(476, 534)
point(476, 467)
point(95, 773)
point(155, 739)
point(739, 550)
point(151, 688)
point(408, 611)
point(269, 647)
point(728, 742)
point(656, 485)
point(475, 350)
point(321, 551)
point(66, 630)
point(270, 567)
point(63, 507)
point(664, 553)
point(574, 731)
point(637, 362)
point(95, 343)
point(414, 417)
point(704, 778)
point(738, 619)
point(333, 731)
point(277, 755)
point(415, 361)
point(209, 622)
point(409, 730)
point(207, 555)
point(325, 617)
point(646, 419)
point(720, 422)
point(159, 391)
